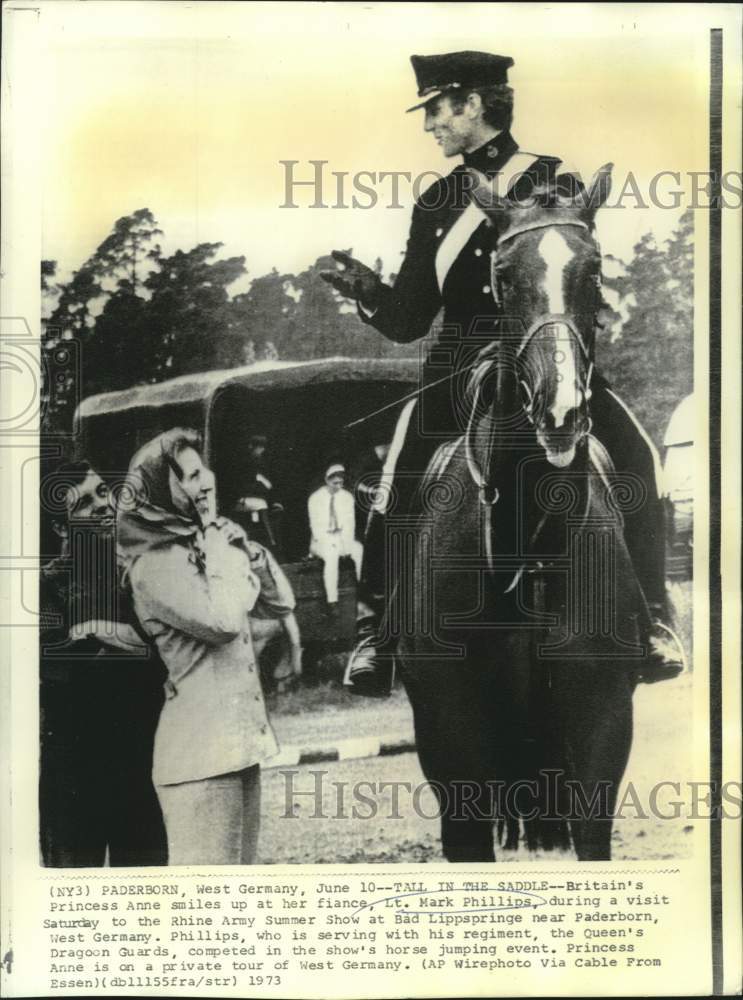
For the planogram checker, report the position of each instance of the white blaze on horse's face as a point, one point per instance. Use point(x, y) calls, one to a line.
point(556, 254)
point(557, 439)
point(557, 431)
point(567, 395)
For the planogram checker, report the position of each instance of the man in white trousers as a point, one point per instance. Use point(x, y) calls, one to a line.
point(332, 526)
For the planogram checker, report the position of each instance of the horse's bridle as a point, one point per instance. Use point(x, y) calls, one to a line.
point(545, 319)
point(510, 234)
point(488, 491)
point(563, 320)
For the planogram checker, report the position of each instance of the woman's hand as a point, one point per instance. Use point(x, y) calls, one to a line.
point(231, 532)
point(206, 509)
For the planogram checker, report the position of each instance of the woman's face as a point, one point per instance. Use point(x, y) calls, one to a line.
point(194, 487)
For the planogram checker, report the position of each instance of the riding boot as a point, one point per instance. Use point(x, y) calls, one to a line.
point(371, 667)
point(634, 456)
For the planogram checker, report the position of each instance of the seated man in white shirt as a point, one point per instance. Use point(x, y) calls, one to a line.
point(332, 526)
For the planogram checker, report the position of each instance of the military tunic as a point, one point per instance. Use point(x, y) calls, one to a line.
point(447, 264)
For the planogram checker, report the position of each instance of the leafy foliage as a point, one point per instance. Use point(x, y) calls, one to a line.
point(139, 316)
point(648, 356)
point(188, 315)
point(131, 244)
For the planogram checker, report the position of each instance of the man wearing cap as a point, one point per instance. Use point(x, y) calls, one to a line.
point(468, 108)
point(332, 526)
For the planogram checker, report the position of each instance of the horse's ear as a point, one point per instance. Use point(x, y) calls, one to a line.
point(598, 190)
point(484, 193)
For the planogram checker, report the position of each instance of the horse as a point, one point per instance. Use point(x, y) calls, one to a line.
point(517, 609)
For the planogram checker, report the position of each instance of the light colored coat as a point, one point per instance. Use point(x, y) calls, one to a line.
point(214, 718)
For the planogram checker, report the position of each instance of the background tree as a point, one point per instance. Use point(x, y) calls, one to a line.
point(71, 320)
point(131, 250)
point(648, 355)
point(48, 271)
point(139, 316)
point(188, 318)
point(264, 314)
point(325, 324)
point(99, 309)
point(117, 347)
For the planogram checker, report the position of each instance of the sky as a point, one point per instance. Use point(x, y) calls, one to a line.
point(190, 109)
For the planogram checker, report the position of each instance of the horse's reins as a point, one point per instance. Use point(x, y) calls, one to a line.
point(489, 493)
point(411, 395)
point(539, 323)
point(551, 318)
point(505, 238)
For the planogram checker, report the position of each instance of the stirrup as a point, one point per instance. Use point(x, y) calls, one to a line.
point(370, 671)
point(661, 666)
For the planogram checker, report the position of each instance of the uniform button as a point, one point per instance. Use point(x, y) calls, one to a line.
point(486, 289)
point(263, 729)
point(246, 639)
point(439, 231)
point(256, 697)
point(478, 252)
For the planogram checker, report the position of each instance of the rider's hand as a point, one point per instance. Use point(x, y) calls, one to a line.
point(355, 281)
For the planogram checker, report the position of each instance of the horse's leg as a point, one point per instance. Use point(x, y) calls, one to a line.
point(453, 729)
point(467, 839)
point(600, 747)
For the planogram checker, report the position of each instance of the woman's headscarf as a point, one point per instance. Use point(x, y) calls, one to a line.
point(147, 517)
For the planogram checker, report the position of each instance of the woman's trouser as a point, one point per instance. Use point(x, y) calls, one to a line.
point(214, 821)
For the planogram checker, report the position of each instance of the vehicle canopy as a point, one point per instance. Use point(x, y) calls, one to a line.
point(680, 430)
point(302, 407)
point(678, 468)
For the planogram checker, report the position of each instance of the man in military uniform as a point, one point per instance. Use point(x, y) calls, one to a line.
point(468, 108)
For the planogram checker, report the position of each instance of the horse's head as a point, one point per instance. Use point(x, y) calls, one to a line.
point(546, 278)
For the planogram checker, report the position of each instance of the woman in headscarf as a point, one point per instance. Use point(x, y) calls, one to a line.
point(194, 578)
